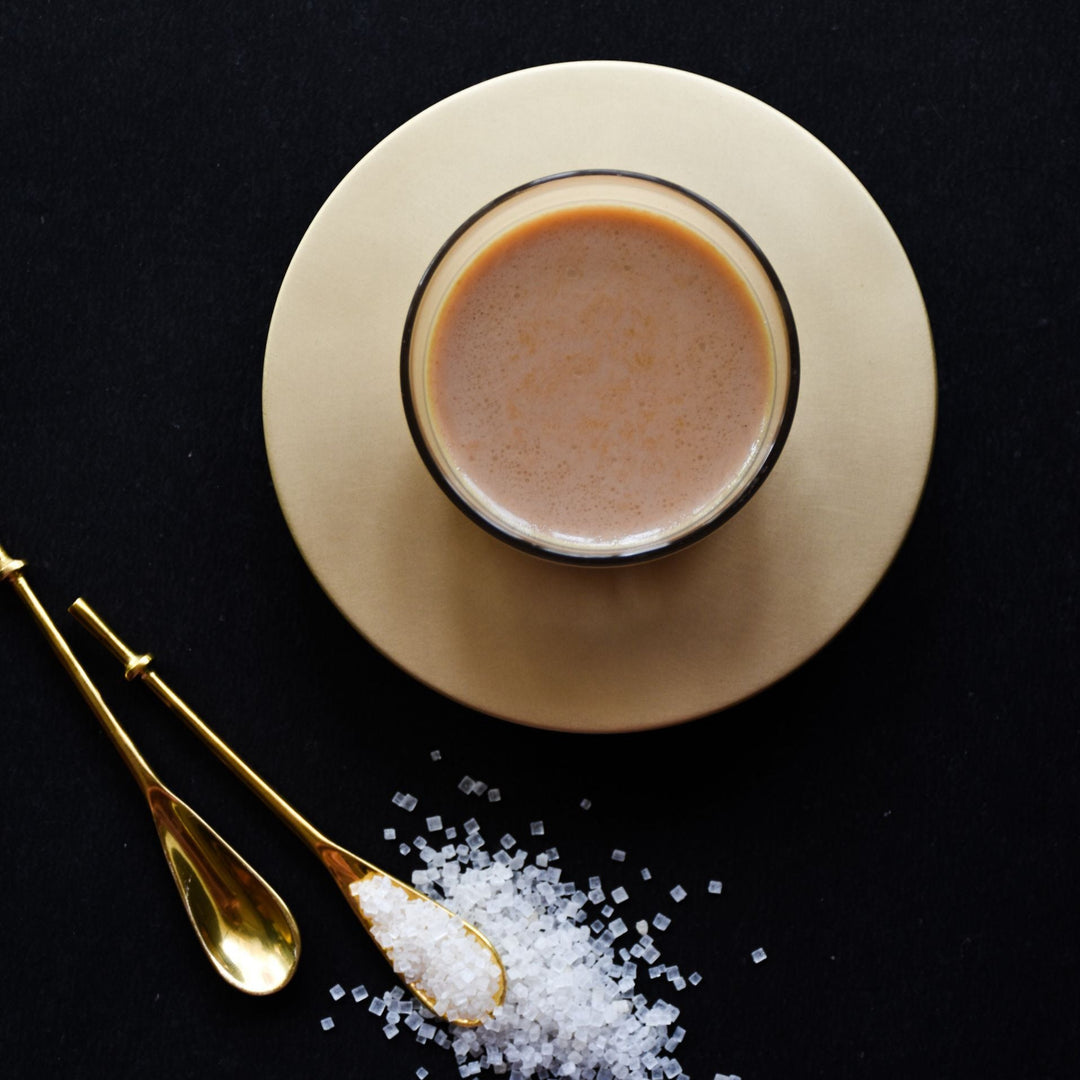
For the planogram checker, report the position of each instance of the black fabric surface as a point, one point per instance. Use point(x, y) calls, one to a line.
point(896, 822)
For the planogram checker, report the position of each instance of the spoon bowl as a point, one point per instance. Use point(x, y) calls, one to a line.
point(242, 924)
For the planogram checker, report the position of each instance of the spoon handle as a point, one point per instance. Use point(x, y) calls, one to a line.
point(137, 666)
point(11, 570)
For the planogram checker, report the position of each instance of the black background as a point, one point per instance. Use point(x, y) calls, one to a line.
point(896, 822)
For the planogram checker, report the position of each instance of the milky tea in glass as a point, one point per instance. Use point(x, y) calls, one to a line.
point(599, 367)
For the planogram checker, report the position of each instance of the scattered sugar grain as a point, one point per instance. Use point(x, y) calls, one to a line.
point(406, 801)
point(678, 894)
point(421, 1073)
point(646, 874)
point(618, 855)
point(619, 895)
point(434, 823)
point(359, 993)
point(451, 832)
point(716, 887)
point(694, 978)
point(337, 991)
point(404, 848)
point(677, 1037)
point(585, 804)
point(661, 921)
point(327, 1022)
point(494, 795)
point(758, 955)
point(436, 755)
point(467, 784)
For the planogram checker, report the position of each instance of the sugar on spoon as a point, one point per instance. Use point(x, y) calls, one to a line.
point(244, 927)
point(445, 961)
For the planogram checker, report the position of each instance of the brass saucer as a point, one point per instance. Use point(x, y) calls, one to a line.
point(605, 649)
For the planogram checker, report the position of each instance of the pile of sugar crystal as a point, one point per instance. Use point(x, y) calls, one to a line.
point(571, 1007)
point(430, 948)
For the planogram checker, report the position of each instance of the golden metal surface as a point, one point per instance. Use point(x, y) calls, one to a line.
point(345, 867)
point(245, 929)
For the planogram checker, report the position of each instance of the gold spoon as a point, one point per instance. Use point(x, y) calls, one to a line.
point(351, 873)
point(245, 929)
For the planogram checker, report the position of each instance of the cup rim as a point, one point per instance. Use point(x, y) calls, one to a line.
point(663, 547)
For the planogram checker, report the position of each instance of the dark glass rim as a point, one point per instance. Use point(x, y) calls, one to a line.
point(664, 547)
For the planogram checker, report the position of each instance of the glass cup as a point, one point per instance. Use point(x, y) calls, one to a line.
point(566, 427)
